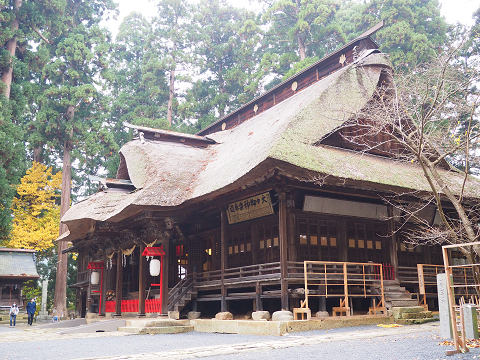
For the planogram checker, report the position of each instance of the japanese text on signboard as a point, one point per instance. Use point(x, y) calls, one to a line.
point(251, 208)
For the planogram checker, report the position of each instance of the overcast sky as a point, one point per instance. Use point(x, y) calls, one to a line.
point(453, 10)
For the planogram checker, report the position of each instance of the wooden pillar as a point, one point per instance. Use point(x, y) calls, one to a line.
point(78, 302)
point(142, 266)
point(165, 263)
point(258, 299)
point(282, 233)
point(291, 229)
point(393, 239)
point(119, 285)
point(342, 242)
point(223, 258)
point(101, 310)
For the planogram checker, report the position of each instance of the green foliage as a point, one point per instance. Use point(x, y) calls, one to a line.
point(414, 33)
point(12, 163)
point(47, 269)
point(226, 61)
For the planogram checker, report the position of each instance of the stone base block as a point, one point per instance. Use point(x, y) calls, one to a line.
point(399, 311)
point(174, 315)
point(282, 316)
point(322, 314)
point(224, 316)
point(192, 315)
point(261, 315)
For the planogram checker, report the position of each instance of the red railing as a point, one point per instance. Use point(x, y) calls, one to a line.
point(109, 306)
point(388, 272)
point(151, 305)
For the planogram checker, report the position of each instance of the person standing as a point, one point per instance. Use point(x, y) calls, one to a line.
point(13, 314)
point(31, 308)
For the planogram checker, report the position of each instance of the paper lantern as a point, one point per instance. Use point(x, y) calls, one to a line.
point(95, 278)
point(154, 267)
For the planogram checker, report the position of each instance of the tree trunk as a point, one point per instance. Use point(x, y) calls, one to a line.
point(37, 154)
point(171, 93)
point(60, 299)
point(7, 76)
point(170, 97)
point(301, 47)
point(300, 41)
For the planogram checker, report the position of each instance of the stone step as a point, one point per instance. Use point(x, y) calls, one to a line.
point(415, 321)
point(157, 329)
point(398, 296)
point(418, 315)
point(387, 289)
point(404, 303)
point(141, 323)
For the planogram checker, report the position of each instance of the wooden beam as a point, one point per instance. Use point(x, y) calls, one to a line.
point(119, 285)
point(142, 265)
point(282, 233)
point(223, 259)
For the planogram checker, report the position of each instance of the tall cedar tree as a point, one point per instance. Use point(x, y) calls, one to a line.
point(298, 34)
point(21, 26)
point(170, 43)
point(71, 115)
point(131, 100)
point(415, 32)
point(225, 58)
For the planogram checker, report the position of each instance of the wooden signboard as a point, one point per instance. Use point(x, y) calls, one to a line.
point(250, 208)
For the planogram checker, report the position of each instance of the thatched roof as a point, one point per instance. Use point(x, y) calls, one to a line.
point(168, 174)
point(17, 264)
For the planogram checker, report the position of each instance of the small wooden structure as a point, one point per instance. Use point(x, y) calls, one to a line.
point(342, 280)
point(460, 341)
point(16, 267)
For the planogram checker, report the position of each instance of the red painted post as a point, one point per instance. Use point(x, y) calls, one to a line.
point(100, 301)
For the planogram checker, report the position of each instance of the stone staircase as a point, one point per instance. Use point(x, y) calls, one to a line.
point(156, 326)
point(395, 295)
point(412, 315)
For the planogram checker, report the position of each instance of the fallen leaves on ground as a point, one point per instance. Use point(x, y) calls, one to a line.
point(474, 343)
point(389, 325)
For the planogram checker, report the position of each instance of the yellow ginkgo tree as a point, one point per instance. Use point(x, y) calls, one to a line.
point(35, 210)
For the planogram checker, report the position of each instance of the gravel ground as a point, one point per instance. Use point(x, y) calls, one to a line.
point(422, 345)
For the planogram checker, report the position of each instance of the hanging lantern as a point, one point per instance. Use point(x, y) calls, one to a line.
point(155, 267)
point(95, 278)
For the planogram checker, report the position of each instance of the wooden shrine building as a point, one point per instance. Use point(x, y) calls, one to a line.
point(17, 266)
point(238, 207)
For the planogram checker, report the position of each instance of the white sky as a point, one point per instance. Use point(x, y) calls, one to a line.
point(453, 10)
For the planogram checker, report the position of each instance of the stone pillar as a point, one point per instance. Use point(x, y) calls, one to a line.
point(142, 266)
point(119, 285)
point(43, 314)
point(443, 307)
point(470, 321)
point(43, 310)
